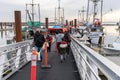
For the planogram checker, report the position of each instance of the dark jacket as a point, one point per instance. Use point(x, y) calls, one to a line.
point(39, 39)
point(67, 37)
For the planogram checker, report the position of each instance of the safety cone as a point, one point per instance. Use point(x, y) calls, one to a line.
point(33, 64)
point(45, 65)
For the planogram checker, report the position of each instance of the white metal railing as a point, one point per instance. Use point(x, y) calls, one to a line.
point(13, 57)
point(90, 63)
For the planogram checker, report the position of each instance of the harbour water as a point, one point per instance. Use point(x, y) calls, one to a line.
point(110, 35)
point(5, 35)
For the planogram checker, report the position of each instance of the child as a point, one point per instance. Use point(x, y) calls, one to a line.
point(63, 46)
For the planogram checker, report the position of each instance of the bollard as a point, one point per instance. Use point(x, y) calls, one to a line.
point(45, 64)
point(33, 65)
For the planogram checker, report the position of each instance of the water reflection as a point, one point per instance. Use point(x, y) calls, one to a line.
point(5, 35)
point(1, 34)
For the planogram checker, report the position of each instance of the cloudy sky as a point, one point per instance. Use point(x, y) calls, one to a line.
point(71, 7)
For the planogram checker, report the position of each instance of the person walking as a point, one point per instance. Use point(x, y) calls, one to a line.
point(49, 40)
point(68, 40)
point(59, 37)
point(62, 50)
point(38, 42)
point(101, 40)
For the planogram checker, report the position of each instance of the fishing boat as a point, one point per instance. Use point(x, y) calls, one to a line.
point(95, 28)
point(95, 32)
point(115, 46)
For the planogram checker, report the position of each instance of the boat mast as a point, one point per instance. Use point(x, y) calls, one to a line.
point(55, 17)
point(39, 13)
point(63, 18)
point(59, 12)
point(32, 13)
point(83, 11)
point(79, 15)
point(95, 11)
point(101, 10)
point(87, 11)
point(59, 16)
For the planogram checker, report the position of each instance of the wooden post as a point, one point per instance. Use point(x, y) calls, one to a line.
point(5, 26)
point(75, 22)
point(18, 29)
point(66, 22)
point(1, 26)
point(72, 23)
point(46, 22)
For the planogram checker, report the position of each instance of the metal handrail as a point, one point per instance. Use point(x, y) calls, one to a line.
point(107, 67)
point(11, 63)
point(96, 76)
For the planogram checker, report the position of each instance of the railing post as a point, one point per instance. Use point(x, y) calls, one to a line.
point(94, 67)
point(17, 60)
point(84, 65)
point(2, 58)
point(28, 54)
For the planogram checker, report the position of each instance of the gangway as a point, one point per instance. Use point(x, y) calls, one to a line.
point(59, 71)
point(83, 63)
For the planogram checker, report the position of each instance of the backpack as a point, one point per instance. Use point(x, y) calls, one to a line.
point(67, 37)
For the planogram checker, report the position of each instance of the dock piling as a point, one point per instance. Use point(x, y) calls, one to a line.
point(18, 28)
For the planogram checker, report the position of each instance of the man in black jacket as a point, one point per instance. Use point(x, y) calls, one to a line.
point(38, 41)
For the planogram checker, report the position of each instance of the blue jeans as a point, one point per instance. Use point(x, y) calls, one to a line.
point(39, 49)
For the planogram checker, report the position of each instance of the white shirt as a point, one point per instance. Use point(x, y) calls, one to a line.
point(59, 37)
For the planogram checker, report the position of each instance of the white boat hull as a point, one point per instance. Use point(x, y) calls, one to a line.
point(94, 36)
point(113, 48)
